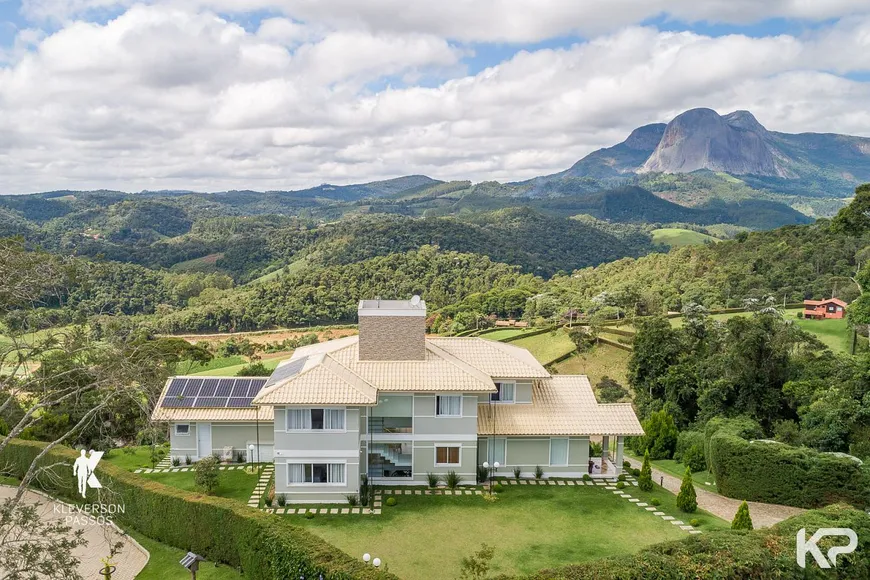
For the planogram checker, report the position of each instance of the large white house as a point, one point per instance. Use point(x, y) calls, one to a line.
point(397, 405)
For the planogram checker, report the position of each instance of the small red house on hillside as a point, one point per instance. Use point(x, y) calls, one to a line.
point(830, 308)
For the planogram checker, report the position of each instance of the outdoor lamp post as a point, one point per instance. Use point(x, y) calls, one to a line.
point(367, 557)
point(489, 472)
point(376, 562)
point(251, 457)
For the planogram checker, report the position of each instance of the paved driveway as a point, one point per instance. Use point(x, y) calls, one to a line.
point(129, 562)
point(763, 515)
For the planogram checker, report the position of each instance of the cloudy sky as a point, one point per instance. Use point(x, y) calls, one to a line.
point(279, 94)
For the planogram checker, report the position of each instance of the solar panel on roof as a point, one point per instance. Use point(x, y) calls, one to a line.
point(209, 386)
point(178, 402)
point(225, 387)
point(237, 402)
point(240, 388)
point(175, 387)
point(210, 402)
point(191, 388)
point(286, 371)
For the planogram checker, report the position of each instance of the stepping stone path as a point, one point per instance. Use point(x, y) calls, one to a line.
point(262, 485)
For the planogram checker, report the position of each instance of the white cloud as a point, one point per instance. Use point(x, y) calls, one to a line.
point(180, 98)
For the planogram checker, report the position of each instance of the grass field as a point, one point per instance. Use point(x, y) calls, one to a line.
point(164, 563)
point(140, 457)
point(234, 483)
point(230, 371)
point(213, 364)
point(601, 361)
point(205, 264)
point(505, 333)
point(548, 346)
point(425, 537)
point(678, 237)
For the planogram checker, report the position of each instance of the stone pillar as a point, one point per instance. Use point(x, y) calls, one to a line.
point(620, 440)
point(605, 445)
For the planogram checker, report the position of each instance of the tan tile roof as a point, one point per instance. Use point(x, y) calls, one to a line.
point(561, 405)
point(322, 381)
point(161, 413)
point(496, 359)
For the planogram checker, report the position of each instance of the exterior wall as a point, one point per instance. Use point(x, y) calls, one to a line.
point(318, 447)
point(392, 337)
point(529, 452)
point(236, 435)
point(424, 460)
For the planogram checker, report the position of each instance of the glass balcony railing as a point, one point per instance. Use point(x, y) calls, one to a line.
point(391, 425)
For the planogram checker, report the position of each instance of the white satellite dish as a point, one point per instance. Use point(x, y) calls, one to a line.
point(415, 300)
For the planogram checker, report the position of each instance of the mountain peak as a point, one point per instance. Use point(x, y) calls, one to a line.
point(703, 139)
point(645, 138)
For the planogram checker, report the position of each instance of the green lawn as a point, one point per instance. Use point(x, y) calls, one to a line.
point(548, 346)
point(601, 361)
point(425, 537)
point(678, 237)
point(504, 333)
point(233, 484)
point(164, 563)
point(230, 371)
point(190, 368)
point(140, 457)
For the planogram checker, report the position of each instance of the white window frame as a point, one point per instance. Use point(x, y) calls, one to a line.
point(438, 397)
point(458, 455)
point(326, 462)
point(288, 411)
point(180, 434)
point(567, 441)
point(513, 393)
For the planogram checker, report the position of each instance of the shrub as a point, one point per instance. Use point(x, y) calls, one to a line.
point(187, 460)
point(176, 461)
point(309, 515)
point(687, 499)
point(219, 529)
point(621, 477)
point(635, 472)
point(482, 474)
point(620, 485)
point(207, 476)
point(742, 520)
point(539, 472)
point(594, 449)
point(352, 500)
point(799, 314)
point(498, 488)
point(517, 473)
point(644, 480)
point(391, 501)
point(694, 458)
point(282, 499)
point(364, 489)
point(433, 479)
point(695, 522)
point(453, 479)
point(587, 477)
point(240, 456)
point(661, 436)
point(626, 465)
point(655, 501)
point(267, 501)
point(690, 450)
point(778, 473)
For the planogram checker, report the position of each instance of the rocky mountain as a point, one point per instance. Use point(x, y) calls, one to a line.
point(822, 165)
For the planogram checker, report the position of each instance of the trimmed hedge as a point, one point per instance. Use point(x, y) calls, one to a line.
point(766, 554)
point(220, 529)
point(778, 473)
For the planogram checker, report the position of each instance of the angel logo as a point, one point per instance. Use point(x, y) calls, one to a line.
point(83, 469)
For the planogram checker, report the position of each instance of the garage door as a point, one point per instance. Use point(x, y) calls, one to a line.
point(266, 452)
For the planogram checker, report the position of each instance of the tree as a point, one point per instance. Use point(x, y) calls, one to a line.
point(644, 481)
point(854, 219)
point(661, 435)
point(33, 547)
point(476, 566)
point(254, 370)
point(741, 520)
point(609, 391)
point(207, 475)
point(687, 499)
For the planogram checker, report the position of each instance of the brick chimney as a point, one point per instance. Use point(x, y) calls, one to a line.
point(392, 329)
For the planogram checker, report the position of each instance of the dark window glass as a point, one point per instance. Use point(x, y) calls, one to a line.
point(496, 396)
point(319, 470)
point(317, 418)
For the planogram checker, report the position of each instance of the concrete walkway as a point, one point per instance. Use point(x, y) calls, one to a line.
point(763, 515)
point(129, 562)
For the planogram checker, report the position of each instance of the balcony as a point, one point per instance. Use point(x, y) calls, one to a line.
point(391, 425)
